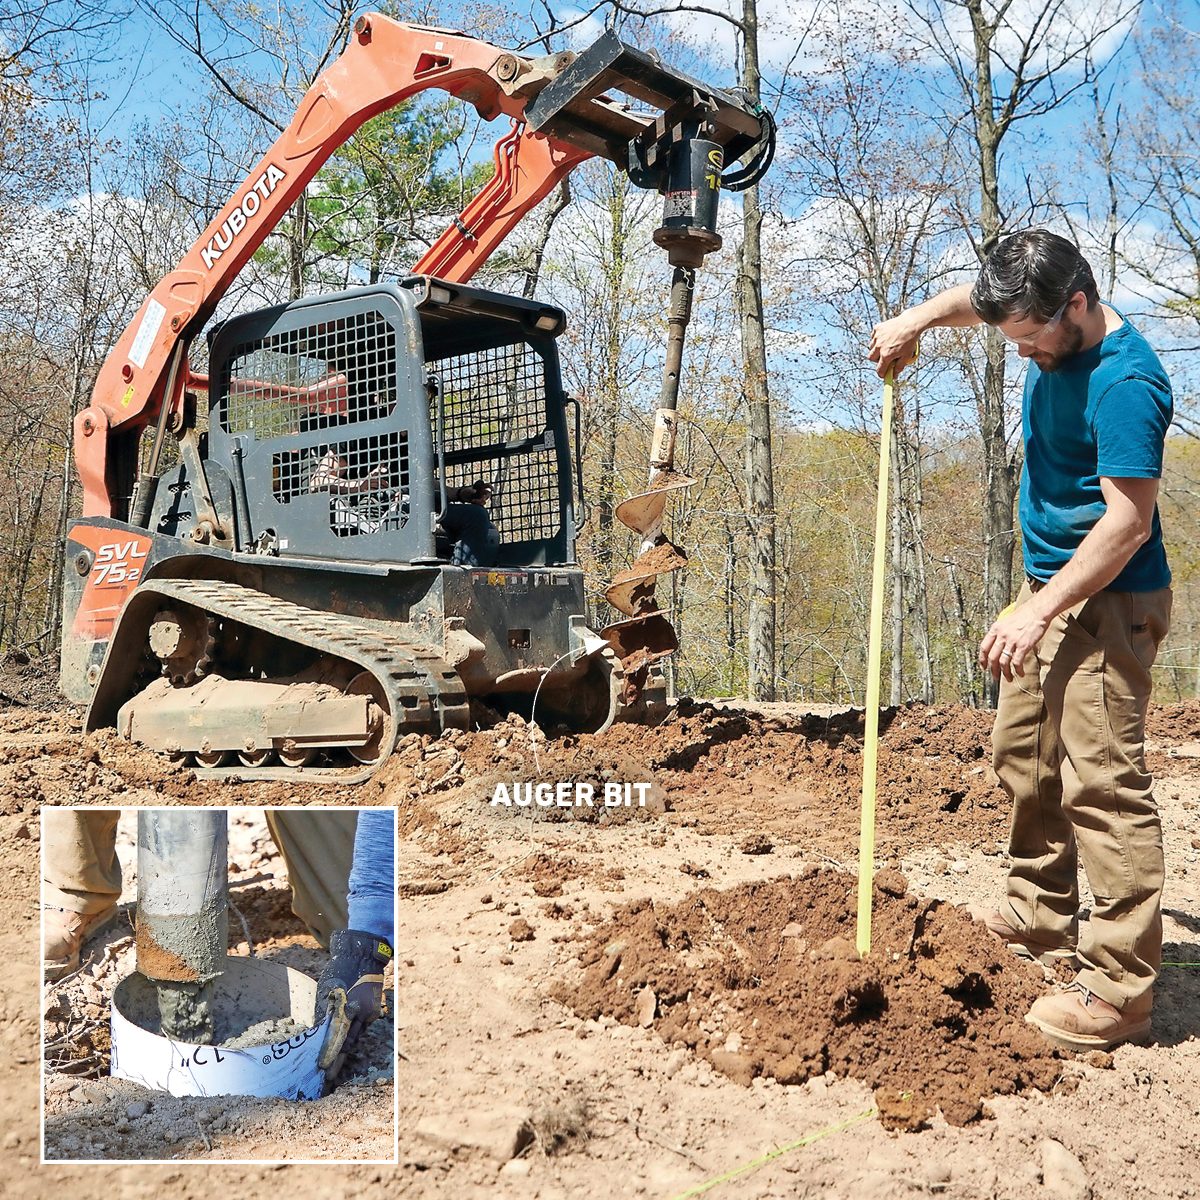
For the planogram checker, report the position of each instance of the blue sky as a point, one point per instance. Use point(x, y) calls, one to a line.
point(148, 78)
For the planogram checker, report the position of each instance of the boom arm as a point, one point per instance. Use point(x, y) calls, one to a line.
point(675, 140)
point(384, 63)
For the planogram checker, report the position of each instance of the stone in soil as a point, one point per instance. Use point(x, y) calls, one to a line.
point(932, 1018)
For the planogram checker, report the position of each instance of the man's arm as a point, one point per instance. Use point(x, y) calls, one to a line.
point(327, 477)
point(1099, 559)
point(894, 342)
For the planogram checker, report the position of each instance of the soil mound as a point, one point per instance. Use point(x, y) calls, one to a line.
point(934, 779)
point(1174, 722)
point(764, 979)
point(473, 765)
point(46, 758)
point(29, 682)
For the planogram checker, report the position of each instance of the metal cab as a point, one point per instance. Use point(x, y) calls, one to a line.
point(344, 421)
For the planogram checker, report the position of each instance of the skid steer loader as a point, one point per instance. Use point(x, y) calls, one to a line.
point(377, 526)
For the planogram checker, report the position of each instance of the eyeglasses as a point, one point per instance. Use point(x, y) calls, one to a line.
point(1034, 338)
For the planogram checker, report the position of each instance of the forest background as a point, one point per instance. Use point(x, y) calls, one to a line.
point(912, 136)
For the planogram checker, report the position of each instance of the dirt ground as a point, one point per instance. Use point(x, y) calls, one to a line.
point(660, 1001)
point(88, 1115)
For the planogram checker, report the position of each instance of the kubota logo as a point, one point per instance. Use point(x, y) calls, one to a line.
point(233, 224)
point(119, 563)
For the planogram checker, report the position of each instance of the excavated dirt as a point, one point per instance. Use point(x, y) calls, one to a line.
point(27, 682)
point(934, 779)
point(764, 979)
point(506, 1090)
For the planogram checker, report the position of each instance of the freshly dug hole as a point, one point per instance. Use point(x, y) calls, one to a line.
point(764, 979)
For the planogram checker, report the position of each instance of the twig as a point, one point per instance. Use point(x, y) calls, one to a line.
point(245, 930)
point(250, 880)
point(632, 1119)
point(200, 1128)
point(512, 862)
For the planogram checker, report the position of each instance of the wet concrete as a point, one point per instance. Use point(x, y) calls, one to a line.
point(186, 1011)
point(238, 1010)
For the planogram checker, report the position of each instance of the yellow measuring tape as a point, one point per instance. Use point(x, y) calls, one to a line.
point(771, 1155)
point(866, 833)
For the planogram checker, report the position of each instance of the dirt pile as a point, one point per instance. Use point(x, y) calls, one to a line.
point(28, 682)
point(1174, 722)
point(764, 979)
point(934, 778)
point(770, 774)
point(476, 764)
point(45, 758)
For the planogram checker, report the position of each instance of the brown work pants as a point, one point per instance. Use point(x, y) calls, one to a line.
point(1068, 749)
point(81, 872)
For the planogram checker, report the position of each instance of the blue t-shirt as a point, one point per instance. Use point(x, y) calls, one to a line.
point(1105, 412)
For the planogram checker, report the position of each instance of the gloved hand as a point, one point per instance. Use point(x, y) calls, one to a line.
point(351, 989)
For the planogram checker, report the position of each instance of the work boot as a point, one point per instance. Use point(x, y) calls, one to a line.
point(64, 933)
point(1077, 1019)
point(1021, 944)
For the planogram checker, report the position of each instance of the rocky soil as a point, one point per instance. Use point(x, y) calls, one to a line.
point(660, 1000)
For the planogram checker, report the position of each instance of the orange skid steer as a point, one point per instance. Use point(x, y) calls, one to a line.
point(375, 526)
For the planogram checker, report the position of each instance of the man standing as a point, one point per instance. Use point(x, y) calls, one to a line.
point(1075, 650)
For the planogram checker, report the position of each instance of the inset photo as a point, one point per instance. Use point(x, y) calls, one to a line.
point(217, 984)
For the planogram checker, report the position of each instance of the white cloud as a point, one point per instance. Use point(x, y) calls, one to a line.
point(803, 34)
point(1057, 29)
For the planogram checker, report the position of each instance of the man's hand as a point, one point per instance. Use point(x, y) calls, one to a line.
point(894, 343)
point(351, 989)
point(1014, 633)
point(1125, 524)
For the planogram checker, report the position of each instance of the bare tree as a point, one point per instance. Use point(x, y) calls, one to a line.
point(760, 480)
point(867, 244)
point(1005, 67)
point(1159, 171)
point(41, 41)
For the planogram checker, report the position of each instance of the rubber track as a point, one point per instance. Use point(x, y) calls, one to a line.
point(425, 693)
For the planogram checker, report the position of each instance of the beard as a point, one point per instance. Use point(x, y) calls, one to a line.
point(1072, 342)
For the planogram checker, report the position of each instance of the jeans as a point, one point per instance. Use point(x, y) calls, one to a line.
point(372, 894)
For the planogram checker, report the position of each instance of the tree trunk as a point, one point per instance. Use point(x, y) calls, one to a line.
point(614, 334)
point(998, 496)
point(998, 490)
point(30, 530)
point(920, 612)
point(297, 247)
point(533, 272)
point(54, 597)
point(1112, 225)
point(760, 484)
point(968, 670)
point(731, 609)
